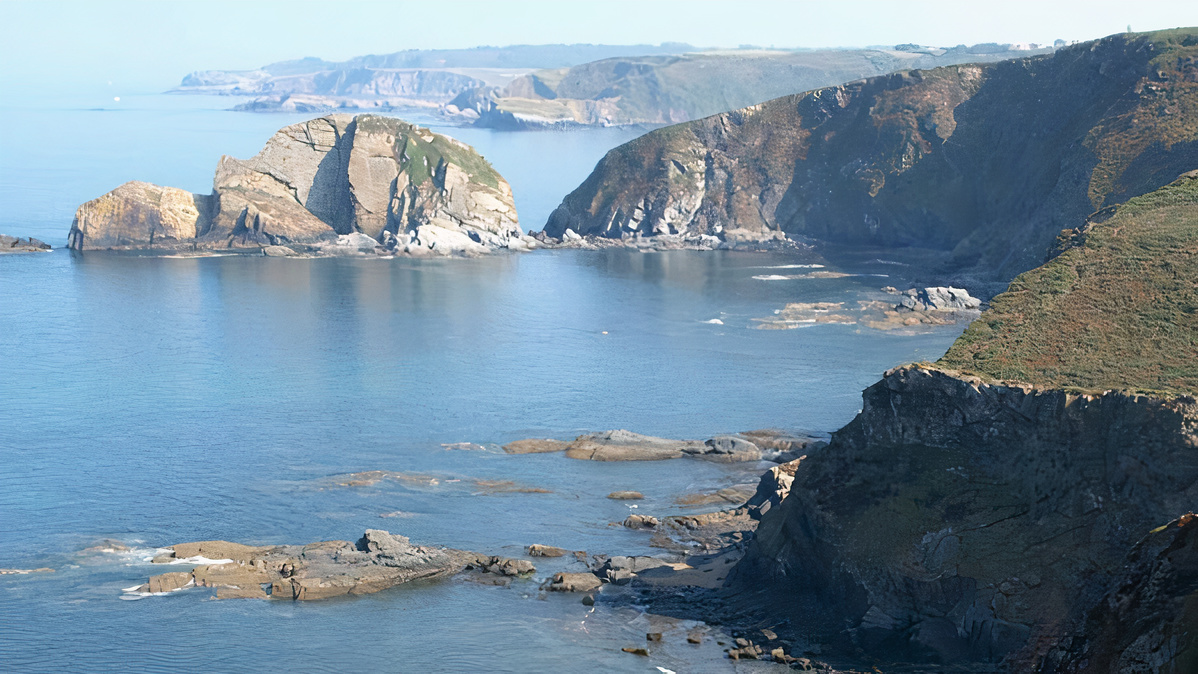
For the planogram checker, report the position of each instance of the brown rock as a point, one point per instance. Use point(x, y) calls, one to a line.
point(574, 582)
point(536, 550)
point(641, 522)
point(167, 582)
point(621, 445)
point(653, 636)
point(535, 446)
point(636, 650)
point(626, 495)
point(216, 550)
point(247, 592)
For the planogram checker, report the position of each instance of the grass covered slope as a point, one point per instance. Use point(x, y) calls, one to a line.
point(1118, 309)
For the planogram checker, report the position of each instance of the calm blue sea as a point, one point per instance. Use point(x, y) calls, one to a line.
point(153, 400)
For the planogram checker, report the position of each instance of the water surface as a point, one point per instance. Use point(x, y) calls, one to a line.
point(156, 400)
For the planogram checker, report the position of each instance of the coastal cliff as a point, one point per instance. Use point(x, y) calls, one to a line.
point(667, 89)
point(375, 181)
point(1013, 512)
point(980, 164)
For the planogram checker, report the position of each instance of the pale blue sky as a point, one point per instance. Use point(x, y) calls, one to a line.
point(146, 45)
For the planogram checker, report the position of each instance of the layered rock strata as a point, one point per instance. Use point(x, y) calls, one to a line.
point(337, 184)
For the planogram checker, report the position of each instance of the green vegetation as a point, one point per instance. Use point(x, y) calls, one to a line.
point(1117, 311)
point(423, 156)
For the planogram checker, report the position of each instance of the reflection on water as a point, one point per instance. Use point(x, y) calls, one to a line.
point(158, 400)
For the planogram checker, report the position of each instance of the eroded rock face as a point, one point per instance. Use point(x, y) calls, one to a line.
point(1148, 622)
point(377, 561)
point(333, 182)
point(959, 520)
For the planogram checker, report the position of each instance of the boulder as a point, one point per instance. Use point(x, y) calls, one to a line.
point(626, 496)
point(773, 487)
point(536, 550)
point(574, 582)
point(726, 449)
point(619, 570)
point(938, 299)
point(641, 522)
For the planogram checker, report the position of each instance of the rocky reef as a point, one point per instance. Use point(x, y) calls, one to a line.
point(1019, 513)
point(15, 244)
point(377, 561)
point(339, 184)
point(977, 167)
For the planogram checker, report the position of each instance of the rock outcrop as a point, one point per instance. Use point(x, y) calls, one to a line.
point(377, 561)
point(334, 185)
point(982, 165)
point(15, 244)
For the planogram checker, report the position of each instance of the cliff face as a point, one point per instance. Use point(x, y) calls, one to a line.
point(966, 517)
point(682, 87)
point(959, 520)
point(404, 186)
point(987, 162)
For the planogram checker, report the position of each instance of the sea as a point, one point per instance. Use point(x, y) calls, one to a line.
point(148, 400)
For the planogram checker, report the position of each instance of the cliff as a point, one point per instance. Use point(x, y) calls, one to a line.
point(406, 79)
point(981, 164)
point(666, 89)
point(1015, 515)
point(406, 188)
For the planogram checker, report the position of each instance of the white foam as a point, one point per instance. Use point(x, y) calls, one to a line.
point(131, 593)
point(791, 266)
point(199, 559)
point(772, 277)
point(714, 321)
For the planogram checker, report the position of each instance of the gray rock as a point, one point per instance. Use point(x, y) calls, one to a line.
point(278, 251)
point(14, 244)
point(726, 449)
point(938, 299)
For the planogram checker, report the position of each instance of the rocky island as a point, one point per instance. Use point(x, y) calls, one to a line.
point(15, 244)
point(339, 184)
point(970, 169)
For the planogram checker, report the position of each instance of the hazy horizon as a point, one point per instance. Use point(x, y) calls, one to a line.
point(134, 46)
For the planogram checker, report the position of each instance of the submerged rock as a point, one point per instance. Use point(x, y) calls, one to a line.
point(626, 496)
point(336, 185)
point(621, 445)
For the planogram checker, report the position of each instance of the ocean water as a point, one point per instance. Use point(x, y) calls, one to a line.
point(152, 400)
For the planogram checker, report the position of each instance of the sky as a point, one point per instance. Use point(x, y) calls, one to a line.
point(151, 45)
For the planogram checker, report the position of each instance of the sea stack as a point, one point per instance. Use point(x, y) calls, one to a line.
point(337, 183)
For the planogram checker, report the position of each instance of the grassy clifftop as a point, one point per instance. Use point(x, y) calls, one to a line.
point(1118, 309)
